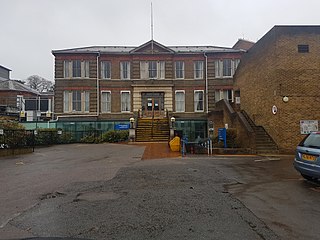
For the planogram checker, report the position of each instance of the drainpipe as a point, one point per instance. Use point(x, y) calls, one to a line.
point(206, 78)
point(98, 87)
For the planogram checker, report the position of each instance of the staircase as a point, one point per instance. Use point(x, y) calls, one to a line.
point(152, 130)
point(264, 143)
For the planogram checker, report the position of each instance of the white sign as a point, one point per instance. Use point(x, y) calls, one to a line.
point(308, 126)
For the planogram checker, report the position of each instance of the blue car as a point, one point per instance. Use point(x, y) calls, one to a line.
point(307, 159)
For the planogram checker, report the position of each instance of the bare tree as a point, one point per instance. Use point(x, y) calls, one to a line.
point(40, 84)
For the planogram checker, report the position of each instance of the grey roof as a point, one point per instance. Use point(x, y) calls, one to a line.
point(128, 49)
point(11, 85)
point(5, 68)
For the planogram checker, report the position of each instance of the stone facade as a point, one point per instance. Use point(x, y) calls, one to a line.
point(283, 63)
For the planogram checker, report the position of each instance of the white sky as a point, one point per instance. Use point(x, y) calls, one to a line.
point(30, 29)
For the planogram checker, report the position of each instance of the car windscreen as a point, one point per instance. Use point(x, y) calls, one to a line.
point(312, 141)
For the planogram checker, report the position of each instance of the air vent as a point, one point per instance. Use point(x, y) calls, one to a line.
point(303, 48)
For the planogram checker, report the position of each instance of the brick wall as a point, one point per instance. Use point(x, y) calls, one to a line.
point(273, 68)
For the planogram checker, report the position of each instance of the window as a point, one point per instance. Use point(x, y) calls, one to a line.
point(76, 101)
point(198, 101)
point(125, 70)
point(85, 69)
point(106, 70)
point(106, 101)
point(303, 48)
point(224, 94)
point(125, 101)
point(20, 103)
point(179, 68)
point(180, 101)
point(152, 70)
point(66, 101)
point(198, 69)
point(67, 67)
point(86, 101)
point(226, 67)
point(76, 69)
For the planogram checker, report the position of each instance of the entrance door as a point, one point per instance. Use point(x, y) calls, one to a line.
point(152, 104)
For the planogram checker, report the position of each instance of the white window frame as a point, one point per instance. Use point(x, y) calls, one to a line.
point(106, 70)
point(67, 69)
point(159, 67)
point(128, 104)
point(20, 103)
point(198, 69)
point(153, 69)
point(66, 101)
point(179, 69)
point(76, 68)
point(227, 94)
point(220, 71)
point(196, 102)
point(180, 101)
point(125, 70)
point(227, 68)
point(105, 102)
point(86, 95)
point(69, 102)
point(75, 103)
point(83, 70)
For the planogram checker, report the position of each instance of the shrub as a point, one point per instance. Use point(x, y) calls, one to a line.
point(115, 136)
point(231, 139)
point(46, 136)
point(91, 138)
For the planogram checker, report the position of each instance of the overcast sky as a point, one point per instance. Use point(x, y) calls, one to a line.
point(31, 29)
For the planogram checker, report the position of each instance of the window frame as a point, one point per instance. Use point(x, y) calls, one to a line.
point(184, 101)
point(105, 102)
point(125, 70)
point(196, 102)
point(179, 70)
point(153, 69)
point(198, 69)
point(105, 69)
point(127, 104)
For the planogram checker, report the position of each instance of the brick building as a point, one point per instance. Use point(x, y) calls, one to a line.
point(278, 79)
point(103, 86)
point(20, 102)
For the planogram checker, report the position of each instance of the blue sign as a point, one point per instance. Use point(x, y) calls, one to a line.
point(122, 126)
point(222, 136)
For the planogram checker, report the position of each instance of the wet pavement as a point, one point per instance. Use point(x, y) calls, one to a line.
point(105, 191)
point(157, 150)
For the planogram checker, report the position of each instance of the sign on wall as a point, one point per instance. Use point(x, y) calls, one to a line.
point(308, 126)
point(122, 126)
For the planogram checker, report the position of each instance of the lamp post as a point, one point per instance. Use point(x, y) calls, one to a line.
point(172, 119)
point(132, 122)
point(132, 132)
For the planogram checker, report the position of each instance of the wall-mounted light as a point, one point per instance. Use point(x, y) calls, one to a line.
point(285, 99)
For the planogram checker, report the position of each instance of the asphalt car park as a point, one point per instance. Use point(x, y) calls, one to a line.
point(105, 191)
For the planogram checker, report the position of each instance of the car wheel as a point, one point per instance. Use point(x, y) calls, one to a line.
point(307, 177)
